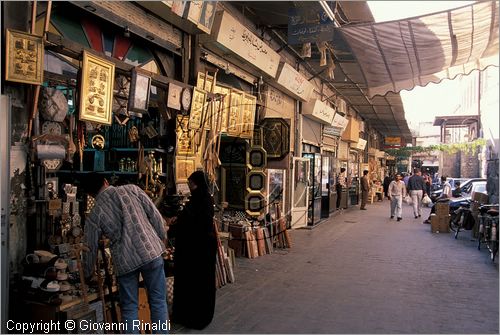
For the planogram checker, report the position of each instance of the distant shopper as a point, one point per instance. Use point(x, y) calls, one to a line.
point(397, 191)
point(416, 188)
point(365, 189)
point(194, 257)
point(341, 184)
point(444, 197)
point(387, 182)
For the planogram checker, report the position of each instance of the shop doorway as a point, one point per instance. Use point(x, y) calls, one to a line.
point(300, 192)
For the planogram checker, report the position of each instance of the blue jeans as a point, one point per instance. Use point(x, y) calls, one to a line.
point(153, 275)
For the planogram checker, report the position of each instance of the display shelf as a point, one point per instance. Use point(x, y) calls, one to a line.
point(104, 172)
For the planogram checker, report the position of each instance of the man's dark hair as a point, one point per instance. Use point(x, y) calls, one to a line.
point(416, 170)
point(342, 170)
point(443, 179)
point(365, 172)
point(93, 183)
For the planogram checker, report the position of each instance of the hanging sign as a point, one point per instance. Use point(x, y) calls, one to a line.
point(361, 144)
point(392, 141)
point(340, 122)
point(24, 57)
point(308, 24)
point(318, 111)
point(332, 131)
point(237, 38)
point(294, 82)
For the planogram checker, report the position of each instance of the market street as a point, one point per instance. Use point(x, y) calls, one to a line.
point(360, 272)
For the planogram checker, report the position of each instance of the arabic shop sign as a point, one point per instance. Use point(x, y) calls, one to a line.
point(308, 25)
point(319, 111)
point(235, 37)
point(340, 122)
point(294, 82)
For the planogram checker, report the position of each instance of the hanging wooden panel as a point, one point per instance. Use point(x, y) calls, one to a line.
point(248, 116)
point(197, 108)
point(235, 110)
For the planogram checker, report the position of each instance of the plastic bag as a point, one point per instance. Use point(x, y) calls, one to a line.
point(426, 200)
point(408, 200)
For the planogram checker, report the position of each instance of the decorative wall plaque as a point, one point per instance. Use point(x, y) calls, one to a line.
point(197, 108)
point(276, 135)
point(24, 57)
point(257, 158)
point(223, 102)
point(256, 181)
point(247, 116)
point(254, 203)
point(183, 169)
point(96, 92)
point(235, 107)
point(185, 137)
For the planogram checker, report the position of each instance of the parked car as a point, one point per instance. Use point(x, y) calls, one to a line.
point(475, 186)
point(453, 182)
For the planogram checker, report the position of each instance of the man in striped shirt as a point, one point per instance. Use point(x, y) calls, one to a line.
point(135, 228)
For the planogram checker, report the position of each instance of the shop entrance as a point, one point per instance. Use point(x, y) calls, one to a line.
point(300, 173)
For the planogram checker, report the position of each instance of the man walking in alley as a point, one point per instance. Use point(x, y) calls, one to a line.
point(396, 192)
point(416, 188)
point(365, 188)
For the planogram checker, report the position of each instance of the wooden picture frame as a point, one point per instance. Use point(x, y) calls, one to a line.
point(96, 90)
point(140, 87)
point(185, 137)
point(197, 108)
point(183, 169)
point(23, 57)
point(224, 106)
point(247, 121)
point(207, 16)
point(235, 107)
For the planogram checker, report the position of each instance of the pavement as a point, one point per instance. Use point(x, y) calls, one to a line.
point(359, 272)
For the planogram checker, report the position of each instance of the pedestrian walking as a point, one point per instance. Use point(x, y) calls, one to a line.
point(365, 189)
point(396, 193)
point(341, 184)
point(195, 257)
point(127, 216)
point(416, 188)
point(387, 181)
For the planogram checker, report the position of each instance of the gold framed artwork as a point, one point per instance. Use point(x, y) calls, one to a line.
point(185, 137)
point(247, 116)
point(204, 84)
point(183, 169)
point(197, 108)
point(235, 105)
point(139, 92)
point(224, 106)
point(24, 57)
point(96, 92)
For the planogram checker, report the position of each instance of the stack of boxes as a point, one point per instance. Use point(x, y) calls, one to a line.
point(441, 219)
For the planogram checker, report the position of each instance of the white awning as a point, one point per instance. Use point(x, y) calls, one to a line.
point(403, 54)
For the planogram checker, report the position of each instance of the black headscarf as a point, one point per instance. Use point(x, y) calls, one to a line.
point(200, 180)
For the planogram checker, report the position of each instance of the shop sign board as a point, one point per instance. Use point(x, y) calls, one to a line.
point(235, 37)
point(361, 145)
point(294, 82)
point(277, 103)
point(332, 131)
point(319, 111)
point(340, 122)
point(24, 57)
point(392, 141)
point(307, 24)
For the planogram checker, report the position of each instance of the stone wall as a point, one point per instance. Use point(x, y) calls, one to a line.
point(450, 165)
point(492, 178)
point(469, 165)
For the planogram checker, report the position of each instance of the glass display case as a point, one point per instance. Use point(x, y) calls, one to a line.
point(314, 209)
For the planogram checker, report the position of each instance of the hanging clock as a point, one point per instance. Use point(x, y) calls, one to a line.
point(186, 98)
point(52, 128)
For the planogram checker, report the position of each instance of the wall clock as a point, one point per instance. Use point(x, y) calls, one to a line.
point(186, 98)
point(51, 128)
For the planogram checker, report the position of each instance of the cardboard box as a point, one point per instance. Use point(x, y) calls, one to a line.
point(480, 197)
point(442, 209)
point(440, 224)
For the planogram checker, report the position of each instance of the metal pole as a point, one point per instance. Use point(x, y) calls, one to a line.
point(5, 209)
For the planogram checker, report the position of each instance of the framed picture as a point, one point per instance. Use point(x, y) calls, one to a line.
point(174, 96)
point(235, 108)
point(222, 106)
point(96, 91)
point(24, 57)
point(276, 179)
point(247, 115)
point(257, 158)
point(178, 7)
point(183, 169)
point(140, 86)
point(194, 11)
point(207, 16)
point(197, 108)
point(185, 137)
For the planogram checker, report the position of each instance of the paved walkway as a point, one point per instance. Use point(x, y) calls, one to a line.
point(360, 272)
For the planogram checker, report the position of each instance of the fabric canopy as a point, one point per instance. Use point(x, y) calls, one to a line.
point(403, 54)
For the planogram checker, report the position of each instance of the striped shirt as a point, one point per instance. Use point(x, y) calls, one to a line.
point(128, 217)
point(397, 188)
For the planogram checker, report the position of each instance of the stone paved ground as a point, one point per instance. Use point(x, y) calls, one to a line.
point(359, 272)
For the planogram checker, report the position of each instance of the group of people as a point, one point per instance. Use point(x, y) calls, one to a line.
point(416, 187)
point(138, 234)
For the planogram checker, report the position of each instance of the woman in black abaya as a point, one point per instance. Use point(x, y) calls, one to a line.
point(195, 257)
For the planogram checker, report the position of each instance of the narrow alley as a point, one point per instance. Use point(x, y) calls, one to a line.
point(360, 272)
